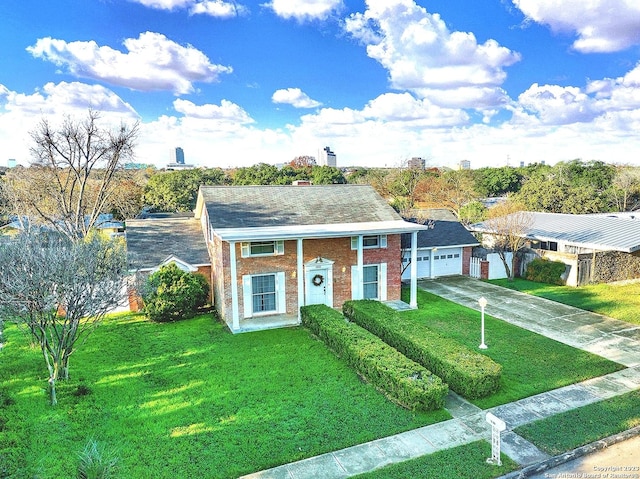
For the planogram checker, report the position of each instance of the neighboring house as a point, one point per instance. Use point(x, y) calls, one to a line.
point(596, 248)
point(274, 249)
point(443, 250)
point(161, 239)
point(105, 224)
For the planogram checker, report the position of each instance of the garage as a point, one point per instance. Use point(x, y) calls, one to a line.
point(446, 262)
point(440, 246)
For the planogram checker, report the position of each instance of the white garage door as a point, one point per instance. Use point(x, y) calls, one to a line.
point(424, 264)
point(447, 262)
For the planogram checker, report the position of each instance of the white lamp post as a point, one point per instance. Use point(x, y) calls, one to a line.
point(482, 302)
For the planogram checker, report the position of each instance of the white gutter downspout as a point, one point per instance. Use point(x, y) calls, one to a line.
point(235, 310)
point(413, 301)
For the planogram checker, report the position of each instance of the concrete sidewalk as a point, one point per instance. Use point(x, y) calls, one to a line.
point(607, 337)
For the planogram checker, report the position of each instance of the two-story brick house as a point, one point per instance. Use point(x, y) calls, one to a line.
point(276, 248)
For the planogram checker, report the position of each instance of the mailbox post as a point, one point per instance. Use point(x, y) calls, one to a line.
point(497, 426)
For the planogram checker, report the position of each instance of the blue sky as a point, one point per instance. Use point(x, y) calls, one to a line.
point(235, 83)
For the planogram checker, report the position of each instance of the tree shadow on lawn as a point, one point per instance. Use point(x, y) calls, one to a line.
point(189, 399)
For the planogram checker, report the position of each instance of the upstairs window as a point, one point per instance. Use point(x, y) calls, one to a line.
point(370, 241)
point(262, 248)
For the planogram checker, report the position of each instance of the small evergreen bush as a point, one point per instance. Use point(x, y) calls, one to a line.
point(470, 374)
point(170, 294)
point(401, 379)
point(544, 271)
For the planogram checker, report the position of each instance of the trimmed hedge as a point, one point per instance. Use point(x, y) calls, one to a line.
point(545, 271)
point(401, 379)
point(470, 374)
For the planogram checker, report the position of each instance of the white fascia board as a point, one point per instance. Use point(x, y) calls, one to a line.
point(317, 231)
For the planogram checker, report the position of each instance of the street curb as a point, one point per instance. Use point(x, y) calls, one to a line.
point(543, 466)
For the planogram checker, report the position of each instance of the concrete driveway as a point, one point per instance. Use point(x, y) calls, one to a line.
point(607, 337)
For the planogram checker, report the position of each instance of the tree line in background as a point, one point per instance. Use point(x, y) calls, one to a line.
point(568, 187)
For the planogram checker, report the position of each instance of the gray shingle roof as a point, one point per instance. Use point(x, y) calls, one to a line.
point(150, 241)
point(263, 206)
point(590, 231)
point(446, 231)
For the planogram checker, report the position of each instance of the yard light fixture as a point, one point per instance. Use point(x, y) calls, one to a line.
point(482, 302)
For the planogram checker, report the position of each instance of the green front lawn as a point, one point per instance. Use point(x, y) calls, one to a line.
point(531, 363)
point(581, 426)
point(620, 301)
point(462, 462)
point(187, 399)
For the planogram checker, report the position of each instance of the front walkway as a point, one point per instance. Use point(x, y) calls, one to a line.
point(607, 337)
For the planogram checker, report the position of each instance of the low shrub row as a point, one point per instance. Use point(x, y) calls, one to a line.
point(467, 372)
point(545, 271)
point(401, 379)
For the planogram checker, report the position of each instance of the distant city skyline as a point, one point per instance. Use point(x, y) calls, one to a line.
point(380, 81)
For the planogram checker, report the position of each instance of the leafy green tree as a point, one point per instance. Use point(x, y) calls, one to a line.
point(569, 187)
point(492, 182)
point(178, 190)
point(170, 294)
point(260, 174)
point(473, 212)
point(327, 175)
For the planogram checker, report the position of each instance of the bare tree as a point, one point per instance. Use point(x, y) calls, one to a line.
point(58, 290)
point(74, 173)
point(626, 188)
point(509, 224)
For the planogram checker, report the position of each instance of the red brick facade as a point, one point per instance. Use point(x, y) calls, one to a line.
point(466, 260)
point(337, 250)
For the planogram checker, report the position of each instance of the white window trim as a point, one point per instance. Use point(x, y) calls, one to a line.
point(357, 289)
point(278, 249)
point(382, 242)
point(247, 295)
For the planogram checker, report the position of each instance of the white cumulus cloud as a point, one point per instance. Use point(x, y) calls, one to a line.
point(226, 111)
point(422, 55)
point(294, 97)
point(601, 25)
point(153, 62)
point(302, 10)
point(557, 105)
point(214, 8)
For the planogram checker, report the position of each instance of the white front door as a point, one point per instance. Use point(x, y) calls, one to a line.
point(319, 282)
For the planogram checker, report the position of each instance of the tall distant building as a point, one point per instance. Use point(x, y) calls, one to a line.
point(176, 160)
point(416, 162)
point(177, 156)
point(464, 165)
point(327, 157)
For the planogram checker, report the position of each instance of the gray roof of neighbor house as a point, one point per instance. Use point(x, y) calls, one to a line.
point(446, 231)
point(244, 213)
point(151, 240)
point(598, 232)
